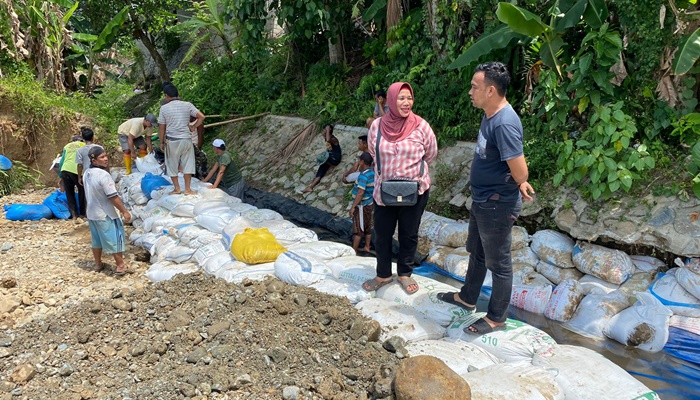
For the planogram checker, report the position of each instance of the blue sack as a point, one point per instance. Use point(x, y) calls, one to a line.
point(5, 163)
point(152, 182)
point(58, 204)
point(27, 212)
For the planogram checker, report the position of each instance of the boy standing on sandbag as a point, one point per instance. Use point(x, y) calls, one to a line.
point(362, 208)
point(106, 228)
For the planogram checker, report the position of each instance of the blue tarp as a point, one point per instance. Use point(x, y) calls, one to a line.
point(27, 212)
point(5, 163)
point(152, 182)
point(58, 204)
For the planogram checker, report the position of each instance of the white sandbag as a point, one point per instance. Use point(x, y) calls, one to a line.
point(210, 207)
point(430, 225)
point(261, 214)
point(216, 222)
point(179, 254)
point(353, 268)
point(291, 236)
point(351, 291)
point(189, 232)
point(202, 254)
point(644, 325)
point(235, 226)
point(214, 194)
point(520, 239)
point(425, 299)
point(517, 342)
point(137, 223)
point(524, 256)
point(163, 224)
point(519, 380)
point(584, 374)
point(453, 234)
point(553, 247)
point(460, 356)
point(556, 274)
point(322, 250)
point(183, 210)
point(152, 209)
point(148, 163)
point(595, 285)
point(137, 198)
point(564, 301)
point(148, 240)
point(162, 245)
point(673, 296)
point(526, 276)
point(692, 264)
point(638, 282)
point(689, 324)
point(400, 320)
point(610, 265)
point(531, 298)
point(237, 271)
point(165, 270)
point(172, 200)
point(207, 239)
point(160, 192)
point(136, 235)
point(437, 254)
point(647, 263)
point(689, 280)
point(457, 261)
point(242, 207)
point(300, 269)
point(594, 311)
point(215, 262)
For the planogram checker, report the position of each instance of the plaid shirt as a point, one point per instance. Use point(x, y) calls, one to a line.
point(402, 159)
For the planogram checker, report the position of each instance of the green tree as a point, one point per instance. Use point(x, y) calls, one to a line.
point(148, 21)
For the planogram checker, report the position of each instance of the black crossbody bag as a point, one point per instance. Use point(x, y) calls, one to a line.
point(397, 191)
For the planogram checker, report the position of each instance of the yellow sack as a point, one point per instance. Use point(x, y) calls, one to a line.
point(256, 246)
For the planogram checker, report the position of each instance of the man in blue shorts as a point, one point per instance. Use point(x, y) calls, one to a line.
point(106, 227)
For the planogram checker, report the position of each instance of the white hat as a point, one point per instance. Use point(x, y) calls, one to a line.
point(218, 143)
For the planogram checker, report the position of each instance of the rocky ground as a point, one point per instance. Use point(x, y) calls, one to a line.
point(67, 332)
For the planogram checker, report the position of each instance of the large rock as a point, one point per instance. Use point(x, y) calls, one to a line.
point(665, 223)
point(427, 378)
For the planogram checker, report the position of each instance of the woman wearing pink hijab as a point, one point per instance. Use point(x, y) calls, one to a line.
point(406, 146)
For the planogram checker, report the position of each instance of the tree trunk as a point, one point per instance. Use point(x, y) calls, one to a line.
point(142, 35)
point(335, 51)
point(393, 15)
point(431, 11)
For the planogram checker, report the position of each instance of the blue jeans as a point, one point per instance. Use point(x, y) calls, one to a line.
point(489, 240)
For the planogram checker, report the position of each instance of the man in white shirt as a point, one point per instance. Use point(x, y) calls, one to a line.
point(106, 228)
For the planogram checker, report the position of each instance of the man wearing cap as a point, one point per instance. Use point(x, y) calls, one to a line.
point(69, 176)
point(175, 133)
point(106, 228)
point(134, 133)
point(228, 176)
point(362, 208)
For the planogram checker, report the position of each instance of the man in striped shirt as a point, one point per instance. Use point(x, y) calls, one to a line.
point(175, 132)
point(362, 208)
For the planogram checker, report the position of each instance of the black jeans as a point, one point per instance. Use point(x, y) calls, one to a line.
point(490, 225)
point(408, 220)
point(70, 182)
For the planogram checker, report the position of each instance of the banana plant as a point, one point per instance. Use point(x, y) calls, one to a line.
point(687, 54)
point(526, 27)
point(90, 46)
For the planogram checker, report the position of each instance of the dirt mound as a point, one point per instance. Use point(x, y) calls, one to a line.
point(69, 333)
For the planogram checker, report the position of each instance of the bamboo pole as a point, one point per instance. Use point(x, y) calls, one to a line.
point(236, 120)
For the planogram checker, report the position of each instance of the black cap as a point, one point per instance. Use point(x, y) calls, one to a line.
point(95, 152)
point(366, 158)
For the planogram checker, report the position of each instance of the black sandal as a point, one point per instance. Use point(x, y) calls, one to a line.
point(449, 297)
